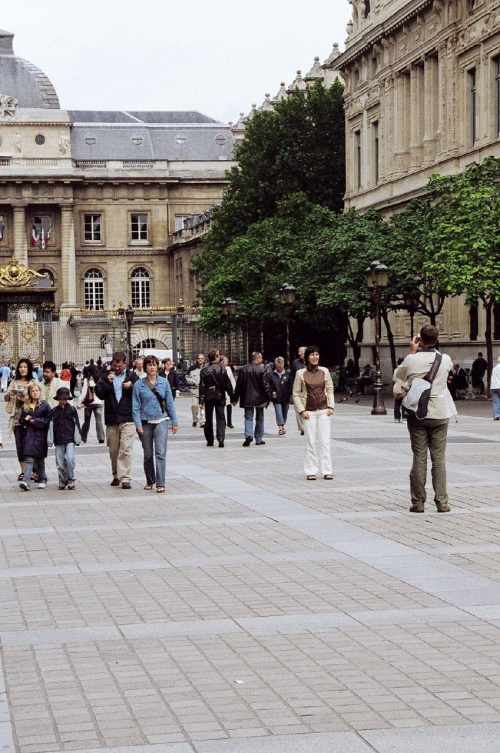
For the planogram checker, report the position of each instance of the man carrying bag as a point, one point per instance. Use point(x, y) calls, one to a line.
point(428, 427)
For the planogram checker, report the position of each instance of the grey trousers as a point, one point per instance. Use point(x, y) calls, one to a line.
point(428, 435)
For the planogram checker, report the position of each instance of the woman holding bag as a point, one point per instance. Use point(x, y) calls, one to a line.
point(18, 389)
point(92, 404)
point(152, 406)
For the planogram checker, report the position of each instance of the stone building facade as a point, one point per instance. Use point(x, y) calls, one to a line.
point(89, 198)
point(422, 96)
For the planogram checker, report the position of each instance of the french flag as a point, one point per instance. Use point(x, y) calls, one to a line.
point(34, 236)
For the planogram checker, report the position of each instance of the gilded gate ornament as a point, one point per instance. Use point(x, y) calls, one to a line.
point(15, 275)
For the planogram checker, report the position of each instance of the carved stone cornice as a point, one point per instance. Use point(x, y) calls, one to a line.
point(141, 251)
point(381, 30)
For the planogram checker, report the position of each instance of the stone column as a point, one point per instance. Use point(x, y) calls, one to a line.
point(402, 122)
point(20, 239)
point(431, 95)
point(416, 115)
point(442, 142)
point(68, 260)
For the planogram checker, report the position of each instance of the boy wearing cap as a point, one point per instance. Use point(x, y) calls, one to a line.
point(66, 426)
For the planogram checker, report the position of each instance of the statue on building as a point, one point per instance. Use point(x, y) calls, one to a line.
point(8, 105)
point(17, 142)
point(64, 144)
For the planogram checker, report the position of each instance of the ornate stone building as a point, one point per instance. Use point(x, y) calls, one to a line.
point(89, 198)
point(422, 96)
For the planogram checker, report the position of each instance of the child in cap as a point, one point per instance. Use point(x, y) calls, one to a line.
point(66, 427)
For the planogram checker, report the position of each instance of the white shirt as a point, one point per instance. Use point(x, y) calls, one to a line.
point(495, 378)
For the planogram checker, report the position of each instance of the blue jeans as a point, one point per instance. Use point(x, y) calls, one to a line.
point(154, 445)
point(281, 411)
point(496, 403)
point(259, 423)
point(37, 465)
point(65, 462)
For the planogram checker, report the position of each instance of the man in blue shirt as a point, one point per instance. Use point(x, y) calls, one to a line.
point(5, 374)
point(115, 388)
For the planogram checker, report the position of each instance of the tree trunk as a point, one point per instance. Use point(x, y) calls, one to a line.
point(390, 337)
point(355, 339)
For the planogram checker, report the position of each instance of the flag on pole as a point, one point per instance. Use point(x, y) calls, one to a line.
point(47, 237)
point(1, 232)
point(34, 236)
point(42, 240)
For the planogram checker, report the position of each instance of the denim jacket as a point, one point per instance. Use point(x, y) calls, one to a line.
point(146, 406)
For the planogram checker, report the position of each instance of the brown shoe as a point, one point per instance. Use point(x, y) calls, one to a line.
point(126, 485)
point(417, 508)
point(115, 482)
point(443, 507)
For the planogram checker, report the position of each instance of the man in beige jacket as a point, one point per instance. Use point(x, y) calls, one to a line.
point(428, 434)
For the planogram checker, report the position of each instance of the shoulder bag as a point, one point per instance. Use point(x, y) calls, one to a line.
point(416, 400)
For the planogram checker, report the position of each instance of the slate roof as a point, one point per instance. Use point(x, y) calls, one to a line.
point(134, 116)
point(21, 79)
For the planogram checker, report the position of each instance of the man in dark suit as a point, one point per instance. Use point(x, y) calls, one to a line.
point(253, 393)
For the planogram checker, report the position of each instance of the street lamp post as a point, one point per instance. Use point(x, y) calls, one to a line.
point(288, 299)
point(129, 318)
point(123, 325)
point(180, 319)
point(376, 277)
point(229, 307)
point(411, 302)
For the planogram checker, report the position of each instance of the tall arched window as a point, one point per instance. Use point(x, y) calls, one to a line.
point(140, 288)
point(94, 290)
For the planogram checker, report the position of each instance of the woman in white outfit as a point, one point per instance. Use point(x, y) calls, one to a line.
point(314, 402)
point(495, 390)
point(92, 405)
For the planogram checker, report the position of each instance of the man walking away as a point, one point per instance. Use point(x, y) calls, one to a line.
point(428, 434)
point(193, 379)
point(253, 393)
point(5, 374)
point(296, 366)
point(115, 388)
point(214, 383)
point(477, 372)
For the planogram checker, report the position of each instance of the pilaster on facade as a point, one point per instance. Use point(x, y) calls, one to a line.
point(20, 239)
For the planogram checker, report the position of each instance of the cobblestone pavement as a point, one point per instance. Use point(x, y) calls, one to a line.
point(250, 610)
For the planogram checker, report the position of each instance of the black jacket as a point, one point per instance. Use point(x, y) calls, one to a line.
point(252, 389)
point(64, 419)
point(214, 375)
point(115, 412)
point(296, 366)
point(281, 384)
point(173, 379)
point(35, 443)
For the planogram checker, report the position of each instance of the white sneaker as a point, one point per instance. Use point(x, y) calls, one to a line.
point(42, 485)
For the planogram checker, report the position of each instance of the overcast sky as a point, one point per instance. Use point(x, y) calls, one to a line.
point(216, 56)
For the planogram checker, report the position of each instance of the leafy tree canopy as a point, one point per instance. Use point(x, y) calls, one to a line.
point(296, 148)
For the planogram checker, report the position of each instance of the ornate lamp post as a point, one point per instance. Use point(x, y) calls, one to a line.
point(180, 318)
point(129, 318)
point(376, 277)
point(288, 299)
point(229, 306)
point(411, 302)
point(123, 325)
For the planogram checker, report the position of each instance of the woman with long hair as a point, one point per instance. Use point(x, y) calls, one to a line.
point(314, 402)
point(35, 417)
point(152, 406)
point(92, 404)
point(14, 397)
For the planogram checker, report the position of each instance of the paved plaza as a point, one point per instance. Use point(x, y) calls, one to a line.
point(250, 611)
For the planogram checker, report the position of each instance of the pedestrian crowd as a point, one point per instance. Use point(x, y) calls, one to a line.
point(140, 401)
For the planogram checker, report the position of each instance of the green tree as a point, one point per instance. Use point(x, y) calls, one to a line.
point(464, 239)
point(296, 148)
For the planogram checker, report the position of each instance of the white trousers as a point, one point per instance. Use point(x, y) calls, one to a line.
point(317, 435)
point(5, 381)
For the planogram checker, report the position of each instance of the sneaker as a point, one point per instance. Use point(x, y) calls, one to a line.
point(443, 507)
point(261, 442)
point(126, 485)
point(24, 486)
point(115, 482)
point(42, 485)
point(71, 484)
point(202, 424)
point(61, 487)
point(248, 441)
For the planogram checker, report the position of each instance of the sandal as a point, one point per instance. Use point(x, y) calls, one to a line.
point(281, 431)
point(160, 489)
point(328, 477)
point(148, 487)
point(311, 478)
